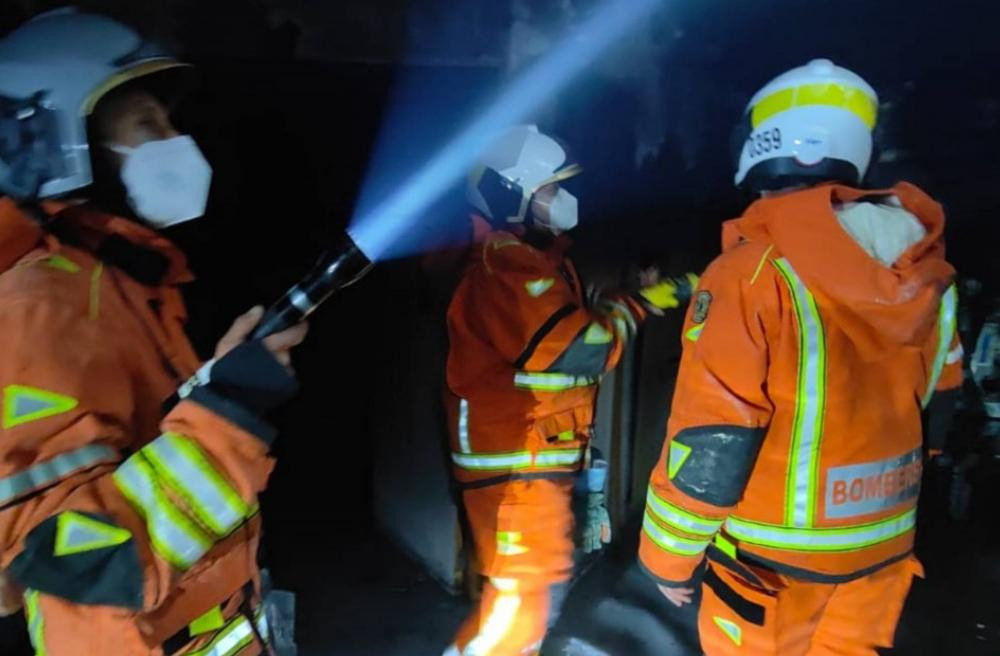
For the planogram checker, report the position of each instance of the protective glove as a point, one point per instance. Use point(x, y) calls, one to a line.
point(597, 532)
point(669, 293)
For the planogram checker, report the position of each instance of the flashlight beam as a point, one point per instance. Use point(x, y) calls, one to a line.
point(375, 232)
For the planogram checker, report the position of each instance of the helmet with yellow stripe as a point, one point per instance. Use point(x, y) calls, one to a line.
point(53, 71)
point(517, 180)
point(811, 124)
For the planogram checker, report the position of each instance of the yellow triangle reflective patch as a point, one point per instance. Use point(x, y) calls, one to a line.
point(731, 629)
point(596, 334)
point(538, 287)
point(678, 455)
point(76, 533)
point(695, 332)
point(23, 404)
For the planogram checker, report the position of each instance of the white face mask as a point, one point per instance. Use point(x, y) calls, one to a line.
point(562, 212)
point(167, 180)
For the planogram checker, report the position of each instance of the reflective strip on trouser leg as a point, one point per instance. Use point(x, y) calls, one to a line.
point(36, 624)
point(180, 462)
point(946, 334)
point(174, 536)
point(821, 539)
point(503, 614)
point(463, 426)
point(807, 430)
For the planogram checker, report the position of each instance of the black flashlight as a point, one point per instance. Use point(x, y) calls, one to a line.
point(337, 268)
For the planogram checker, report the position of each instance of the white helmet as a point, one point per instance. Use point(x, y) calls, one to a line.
point(811, 124)
point(53, 71)
point(512, 169)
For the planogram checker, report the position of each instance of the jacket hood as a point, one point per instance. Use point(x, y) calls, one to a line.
point(879, 307)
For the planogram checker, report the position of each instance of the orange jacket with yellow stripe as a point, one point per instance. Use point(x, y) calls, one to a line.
point(795, 439)
point(526, 355)
point(125, 524)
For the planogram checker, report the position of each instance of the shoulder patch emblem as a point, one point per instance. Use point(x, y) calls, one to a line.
point(702, 301)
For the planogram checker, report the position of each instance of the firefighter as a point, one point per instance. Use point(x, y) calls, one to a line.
point(813, 345)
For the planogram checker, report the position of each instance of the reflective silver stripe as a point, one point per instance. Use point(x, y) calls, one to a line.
point(558, 458)
point(679, 518)
point(946, 334)
point(516, 460)
point(45, 473)
point(231, 639)
point(821, 539)
point(463, 426)
point(180, 462)
point(670, 542)
point(176, 538)
point(551, 382)
point(810, 400)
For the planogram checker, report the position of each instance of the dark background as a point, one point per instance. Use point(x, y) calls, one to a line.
point(297, 95)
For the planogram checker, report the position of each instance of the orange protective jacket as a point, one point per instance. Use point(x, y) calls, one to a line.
point(126, 526)
point(795, 438)
point(525, 359)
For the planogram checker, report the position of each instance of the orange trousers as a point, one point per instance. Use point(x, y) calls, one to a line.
point(522, 533)
point(791, 617)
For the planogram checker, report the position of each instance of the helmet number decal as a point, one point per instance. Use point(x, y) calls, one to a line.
point(763, 142)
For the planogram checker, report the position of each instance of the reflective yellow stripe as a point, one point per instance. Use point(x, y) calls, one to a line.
point(517, 459)
point(36, 624)
point(175, 537)
point(694, 332)
point(180, 462)
point(551, 382)
point(23, 404)
point(821, 539)
point(810, 402)
point(679, 518)
point(825, 94)
point(668, 541)
point(235, 636)
point(946, 335)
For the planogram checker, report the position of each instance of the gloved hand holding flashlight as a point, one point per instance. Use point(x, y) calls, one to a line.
point(597, 531)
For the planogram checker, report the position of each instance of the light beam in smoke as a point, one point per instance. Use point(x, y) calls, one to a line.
point(376, 231)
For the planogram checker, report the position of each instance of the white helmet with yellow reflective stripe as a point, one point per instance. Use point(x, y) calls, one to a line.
point(53, 70)
point(513, 169)
point(811, 124)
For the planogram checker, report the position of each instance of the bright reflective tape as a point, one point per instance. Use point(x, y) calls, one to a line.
point(821, 539)
point(551, 382)
point(174, 536)
point(463, 426)
point(670, 542)
point(558, 458)
point(36, 625)
point(824, 94)
point(180, 462)
point(946, 334)
point(47, 472)
point(810, 400)
point(872, 487)
point(233, 638)
point(515, 460)
point(680, 518)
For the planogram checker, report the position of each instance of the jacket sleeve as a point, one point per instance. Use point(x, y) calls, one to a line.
point(81, 517)
point(945, 374)
point(717, 423)
point(529, 312)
